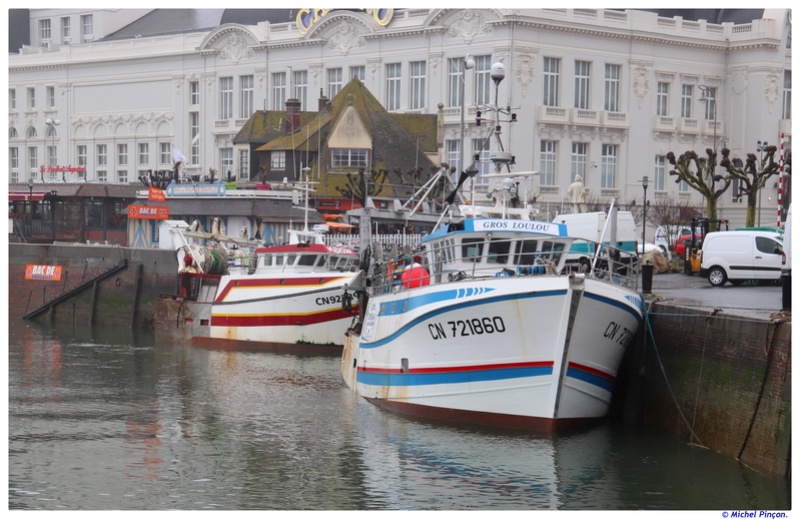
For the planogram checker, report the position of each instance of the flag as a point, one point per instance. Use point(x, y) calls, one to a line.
point(155, 194)
point(178, 156)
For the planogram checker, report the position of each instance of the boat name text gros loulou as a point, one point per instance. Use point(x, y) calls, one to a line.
point(516, 225)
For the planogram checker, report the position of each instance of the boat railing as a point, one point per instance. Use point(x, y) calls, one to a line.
point(387, 241)
point(611, 264)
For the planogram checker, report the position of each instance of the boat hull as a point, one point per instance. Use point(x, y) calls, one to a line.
point(271, 310)
point(538, 353)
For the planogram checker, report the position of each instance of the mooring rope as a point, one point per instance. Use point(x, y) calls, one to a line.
point(700, 375)
point(768, 349)
point(649, 329)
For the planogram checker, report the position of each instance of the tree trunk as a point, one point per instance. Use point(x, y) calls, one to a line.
point(711, 206)
point(752, 201)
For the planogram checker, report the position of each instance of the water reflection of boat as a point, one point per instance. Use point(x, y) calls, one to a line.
point(487, 323)
point(413, 466)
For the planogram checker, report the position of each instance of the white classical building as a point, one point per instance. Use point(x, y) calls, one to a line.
point(605, 94)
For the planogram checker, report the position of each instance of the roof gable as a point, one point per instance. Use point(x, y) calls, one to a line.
point(349, 131)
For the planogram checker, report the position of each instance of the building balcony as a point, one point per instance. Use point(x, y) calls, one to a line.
point(549, 194)
point(583, 117)
point(608, 193)
point(688, 125)
point(615, 119)
point(552, 114)
point(664, 123)
point(712, 127)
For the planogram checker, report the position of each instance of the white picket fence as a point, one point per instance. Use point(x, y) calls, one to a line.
point(386, 240)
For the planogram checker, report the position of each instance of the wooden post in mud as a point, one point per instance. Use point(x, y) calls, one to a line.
point(135, 303)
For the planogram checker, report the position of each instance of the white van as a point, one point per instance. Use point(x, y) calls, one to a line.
point(738, 256)
point(590, 226)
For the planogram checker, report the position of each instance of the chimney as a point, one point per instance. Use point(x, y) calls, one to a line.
point(323, 101)
point(292, 115)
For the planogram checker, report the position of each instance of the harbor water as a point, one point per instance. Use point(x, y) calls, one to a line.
point(106, 419)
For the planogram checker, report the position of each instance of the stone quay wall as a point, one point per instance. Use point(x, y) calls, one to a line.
point(124, 299)
point(718, 381)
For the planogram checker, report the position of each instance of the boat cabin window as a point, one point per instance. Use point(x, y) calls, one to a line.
point(498, 250)
point(271, 260)
point(443, 252)
point(553, 250)
point(307, 260)
point(526, 252)
point(339, 263)
point(472, 249)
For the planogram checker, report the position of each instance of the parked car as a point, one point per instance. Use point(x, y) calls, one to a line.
point(680, 245)
point(740, 256)
point(668, 235)
point(648, 247)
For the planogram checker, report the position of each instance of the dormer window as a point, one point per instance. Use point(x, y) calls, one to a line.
point(349, 158)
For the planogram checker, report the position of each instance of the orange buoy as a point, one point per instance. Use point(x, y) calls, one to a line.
point(415, 276)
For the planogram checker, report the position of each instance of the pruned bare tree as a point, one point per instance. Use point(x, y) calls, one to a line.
point(752, 176)
point(699, 174)
point(363, 184)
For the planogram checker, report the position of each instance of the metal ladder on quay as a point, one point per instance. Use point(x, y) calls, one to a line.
point(123, 263)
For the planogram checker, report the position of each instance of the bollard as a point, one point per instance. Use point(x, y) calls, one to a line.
point(786, 292)
point(647, 277)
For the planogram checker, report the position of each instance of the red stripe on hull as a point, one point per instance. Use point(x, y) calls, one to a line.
point(280, 320)
point(461, 369)
point(593, 371)
point(494, 420)
point(272, 283)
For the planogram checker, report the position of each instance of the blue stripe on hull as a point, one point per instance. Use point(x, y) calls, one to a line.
point(595, 380)
point(414, 302)
point(425, 379)
point(618, 304)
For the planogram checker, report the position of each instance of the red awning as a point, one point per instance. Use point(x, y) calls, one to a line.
point(37, 196)
point(339, 226)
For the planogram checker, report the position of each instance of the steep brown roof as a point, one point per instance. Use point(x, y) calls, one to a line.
point(399, 141)
point(308, 137)
point(266, 126)
point(394, 136)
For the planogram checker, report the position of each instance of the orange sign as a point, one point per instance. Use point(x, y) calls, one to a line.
point(148, 212)
point(155, 194)
point(43, 272)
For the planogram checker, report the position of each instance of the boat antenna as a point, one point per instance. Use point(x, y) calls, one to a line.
point(306, 171)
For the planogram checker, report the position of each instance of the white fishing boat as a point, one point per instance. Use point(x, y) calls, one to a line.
point(239, 293)
point(486, 324)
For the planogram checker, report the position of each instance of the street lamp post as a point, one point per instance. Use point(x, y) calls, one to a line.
point(647, 270)
point(469, 63)
point(30, 205)
point(52, 123)
point(645, 182)
point(762, 146)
